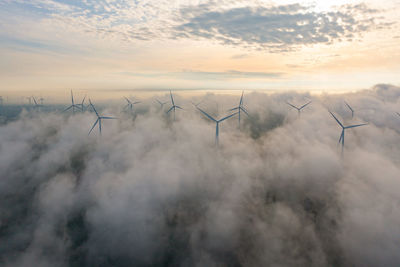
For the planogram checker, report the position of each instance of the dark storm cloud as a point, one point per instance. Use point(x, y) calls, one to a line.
point(153, 192)
point(278, 28)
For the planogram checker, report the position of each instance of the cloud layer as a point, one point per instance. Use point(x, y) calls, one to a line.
point(279, 28)
point(238, 23)
point(210, 75)
point(155, 192)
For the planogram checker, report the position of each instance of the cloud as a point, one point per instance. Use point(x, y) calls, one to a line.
point(105, 20)
point(276, 28)
point(240, 56)
point(155, 192)
point(248, 24)
point(209, 75)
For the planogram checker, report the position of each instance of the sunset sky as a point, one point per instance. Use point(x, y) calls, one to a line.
point(183, 44)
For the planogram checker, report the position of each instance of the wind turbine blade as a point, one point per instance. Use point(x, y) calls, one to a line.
point(78, 107)
point(172, 99)
point(349, 106)
point(337, 120)
point(34, 100)
point(208, 116)
point(93, 126)
point(292, 105)
point(94, 108)
point(159, 102)
point(129, 102)
point(232, 109)
point(196, 104)
point(67, 108)
point(227, 117)
point(343, 140)
point(241, 99)
point(72, 98)
point(303, 106)
point(398, 113)
point(83, 100)
point(178, 107)
point(341, 136)
point(170, 109)
point(137, 102)
point(113, 118)
point(357, 125)
point(245, 111)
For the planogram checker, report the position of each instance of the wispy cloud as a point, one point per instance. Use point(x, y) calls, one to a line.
point(277, 28)
point(255, 25)
point(71, 39)
point(36, 46)
point(208, 75)
point(240, 56)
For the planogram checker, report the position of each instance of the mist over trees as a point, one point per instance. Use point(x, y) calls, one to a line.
point(152, 191)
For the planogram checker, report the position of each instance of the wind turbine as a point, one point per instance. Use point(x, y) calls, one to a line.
point(240, 108)
point(174, 107)
point(82, 104)
point(73, 106)
point(38, 106)
point(398, 114)
point(130, 104)
point(99, 118)
point(217, 123)
point(341, 139)
point(352, 111)
point(298, 108)
point(161, 103)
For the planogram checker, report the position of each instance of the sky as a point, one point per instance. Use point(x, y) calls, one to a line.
point(60, 45)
